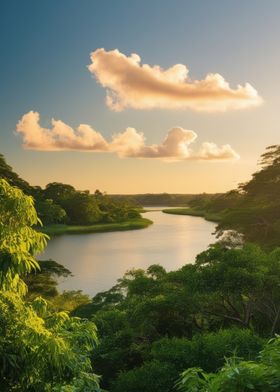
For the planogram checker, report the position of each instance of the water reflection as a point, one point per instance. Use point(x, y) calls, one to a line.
point(98, 260)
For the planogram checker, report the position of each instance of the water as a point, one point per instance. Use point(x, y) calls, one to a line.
point(97, 260)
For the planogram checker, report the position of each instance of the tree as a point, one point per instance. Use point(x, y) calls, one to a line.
point(43, 351)
point(82, 209)
point(19, 242)
point(40, 350)
point(49, 212)
point(256, 212)
point(265, 183)
point(262, 375)
point(59, 192)
point(169, 357)
point(7, 173)
point(240, 286)
point(43, 282)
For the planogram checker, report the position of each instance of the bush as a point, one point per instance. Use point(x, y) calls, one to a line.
point(151, 377)
point(238, 376)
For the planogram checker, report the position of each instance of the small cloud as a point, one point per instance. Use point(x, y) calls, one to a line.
point(175, 146)
point(130, 84)
point(210, 151)
point(127, 144)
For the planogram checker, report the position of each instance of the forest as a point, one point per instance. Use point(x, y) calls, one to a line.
point(211, 326)
point(62, 208)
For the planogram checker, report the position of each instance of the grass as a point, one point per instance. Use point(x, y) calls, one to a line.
point(209, 216)
point(59, 229)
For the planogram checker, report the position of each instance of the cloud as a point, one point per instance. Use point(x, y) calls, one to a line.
point(130, 84)
point(127, 144)
point(60, 137)
point(210, 151)
point(175, 146)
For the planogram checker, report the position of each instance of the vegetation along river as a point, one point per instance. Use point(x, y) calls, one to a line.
point(97, 260)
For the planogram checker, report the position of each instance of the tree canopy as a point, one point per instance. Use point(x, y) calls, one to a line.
point(40, 350)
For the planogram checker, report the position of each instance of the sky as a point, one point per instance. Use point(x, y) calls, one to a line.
point(128, 97)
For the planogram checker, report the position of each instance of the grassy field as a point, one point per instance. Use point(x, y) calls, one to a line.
point(58, 229)
point(213, 217)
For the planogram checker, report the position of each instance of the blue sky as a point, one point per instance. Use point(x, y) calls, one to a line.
point(46, 48)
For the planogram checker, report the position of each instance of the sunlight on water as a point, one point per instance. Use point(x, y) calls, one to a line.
point(98, 260)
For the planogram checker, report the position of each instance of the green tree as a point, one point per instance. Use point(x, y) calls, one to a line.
point(82, 209)
point(237, 375)
point(49, 212)
point(240, 286)
point(43, 282)
point(59, 192)
point(40, 350)
point(169, 357)
point(7, 173)
point(43, 351)
point(19, 242)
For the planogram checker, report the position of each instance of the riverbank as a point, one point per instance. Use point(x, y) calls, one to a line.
point(97, 261)
point(58, 229)
point(212, 217)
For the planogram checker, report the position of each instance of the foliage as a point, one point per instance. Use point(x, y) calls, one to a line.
point(133, 224)
point(49, 212)
point(262, 375)
point(19, 242)
point(207, 350)
point(253, 209)
point(240, 285)
point(82, 208)
point(210, 216)
point(168, 358)
point(153, 324)
point(187, 317)
point(7, 173)
point(152, 376)
point(69, 300)
point(43, 282)
point(62, 203)
point(157, 199)
point(40, 350)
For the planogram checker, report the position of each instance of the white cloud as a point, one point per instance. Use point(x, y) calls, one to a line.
point(210, 151)
point(130, 84)
point(60, 137)
point(129, 143)
point(175, 146)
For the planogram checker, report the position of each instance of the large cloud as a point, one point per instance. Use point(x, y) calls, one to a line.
point(132, 85)
point(130, 143)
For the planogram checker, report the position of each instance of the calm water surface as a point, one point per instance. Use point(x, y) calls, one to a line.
point(97, 260)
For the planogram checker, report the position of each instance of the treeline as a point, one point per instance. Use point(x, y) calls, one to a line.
point(62, 203)
point(253, 209)
point(158, 199)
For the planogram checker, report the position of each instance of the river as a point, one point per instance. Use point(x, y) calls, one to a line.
point(97, 260)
